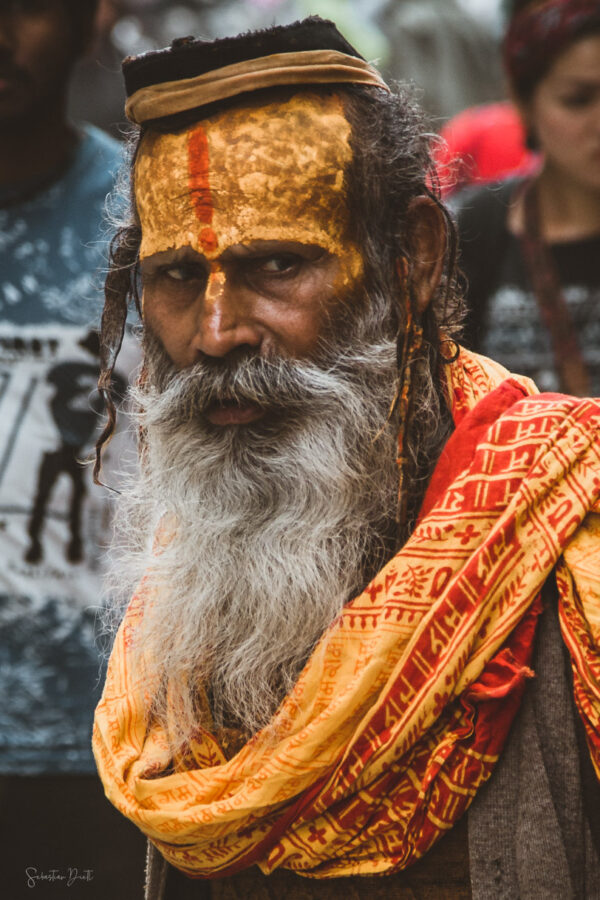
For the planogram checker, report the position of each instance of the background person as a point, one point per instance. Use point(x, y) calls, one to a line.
point(529, 246)
point(447, 48)
point(54, 178)
point(449, 54)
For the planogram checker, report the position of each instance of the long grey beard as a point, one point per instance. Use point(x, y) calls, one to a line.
point(278, 523)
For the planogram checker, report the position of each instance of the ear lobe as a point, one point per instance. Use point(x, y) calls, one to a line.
point(426, 243)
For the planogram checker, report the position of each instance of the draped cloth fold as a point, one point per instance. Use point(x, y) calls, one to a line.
point(401, 712)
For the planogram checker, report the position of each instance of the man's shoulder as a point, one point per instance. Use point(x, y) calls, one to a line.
point(80, 203)
point(102, 141)
point(471, 377)
point(98, 158)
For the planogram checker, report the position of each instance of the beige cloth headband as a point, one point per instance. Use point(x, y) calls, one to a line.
point(304, 67)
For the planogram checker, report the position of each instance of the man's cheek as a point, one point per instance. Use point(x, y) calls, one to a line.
point(350, 271)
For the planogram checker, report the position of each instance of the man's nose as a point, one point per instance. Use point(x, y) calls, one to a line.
point(224, 322)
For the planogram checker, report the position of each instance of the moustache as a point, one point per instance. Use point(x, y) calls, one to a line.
point(272, 384)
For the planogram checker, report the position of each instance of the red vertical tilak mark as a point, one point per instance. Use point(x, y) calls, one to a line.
point(198, 167)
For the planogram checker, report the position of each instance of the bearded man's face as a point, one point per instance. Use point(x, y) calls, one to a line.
point(267, 455)
point(245, 233)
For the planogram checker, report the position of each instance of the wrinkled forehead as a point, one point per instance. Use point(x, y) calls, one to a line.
point(259, 172)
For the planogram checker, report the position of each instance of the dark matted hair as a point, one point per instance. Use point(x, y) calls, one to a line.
point(390, 167)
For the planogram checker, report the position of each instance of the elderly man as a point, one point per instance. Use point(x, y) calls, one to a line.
point(346, 533)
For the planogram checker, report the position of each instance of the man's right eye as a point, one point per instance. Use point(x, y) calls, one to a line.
point(184, 272)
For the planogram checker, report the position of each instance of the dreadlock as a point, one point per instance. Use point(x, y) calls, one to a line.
point(391, 165)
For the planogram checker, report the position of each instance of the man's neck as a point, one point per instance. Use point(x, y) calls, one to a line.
point(35, 149)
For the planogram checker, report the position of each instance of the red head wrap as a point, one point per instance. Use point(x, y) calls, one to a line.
point(540, 32)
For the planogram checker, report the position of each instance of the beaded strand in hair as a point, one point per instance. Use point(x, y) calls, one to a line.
point(409, 345)
point(120, 285)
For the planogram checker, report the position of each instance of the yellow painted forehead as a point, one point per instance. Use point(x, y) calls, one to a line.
point(263, 172)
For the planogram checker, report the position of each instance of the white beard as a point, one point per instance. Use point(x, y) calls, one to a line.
point(279, 524)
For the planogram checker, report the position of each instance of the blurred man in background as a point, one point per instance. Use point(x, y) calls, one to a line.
point(54, 178)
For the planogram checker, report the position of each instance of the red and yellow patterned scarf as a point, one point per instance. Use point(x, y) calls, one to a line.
point(402, 710)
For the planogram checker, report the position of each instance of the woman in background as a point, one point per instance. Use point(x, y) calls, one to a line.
point(530, 246)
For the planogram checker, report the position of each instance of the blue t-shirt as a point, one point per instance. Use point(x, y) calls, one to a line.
point(53, 520)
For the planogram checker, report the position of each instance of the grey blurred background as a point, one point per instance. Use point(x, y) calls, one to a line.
point(448, 48)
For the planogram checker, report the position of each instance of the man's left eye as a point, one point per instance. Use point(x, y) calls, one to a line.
point(275, 265)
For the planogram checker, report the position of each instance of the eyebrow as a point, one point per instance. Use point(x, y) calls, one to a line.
point(241, 251)
point(265, 247)
point(173, 256)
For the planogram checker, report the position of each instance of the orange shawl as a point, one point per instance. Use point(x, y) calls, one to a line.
point(402, 710)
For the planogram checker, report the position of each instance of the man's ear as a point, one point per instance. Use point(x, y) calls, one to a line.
point(426, 244)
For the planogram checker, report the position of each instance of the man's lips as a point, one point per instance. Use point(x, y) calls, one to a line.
point(233, 413)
